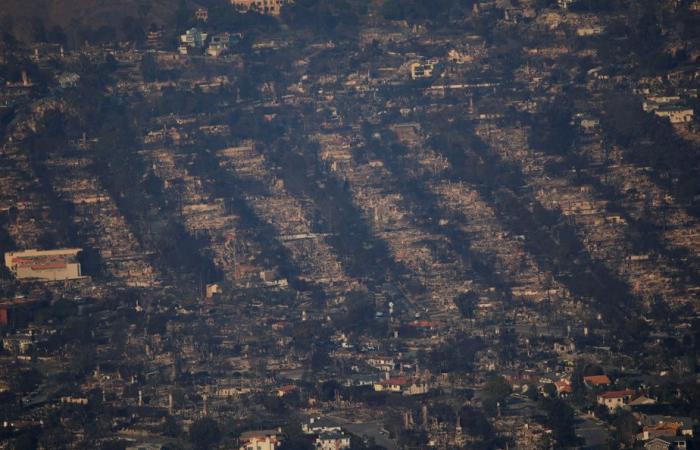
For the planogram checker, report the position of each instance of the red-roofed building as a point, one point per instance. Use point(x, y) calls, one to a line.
point(403, 386)
point(563, 387)
point(615, 399)
point(422, 324)
point(518, 381)
point(660, 429)
point(286, 389)
point(593, 381)
point(261, 440)
point(396, 384)
point(45, 265)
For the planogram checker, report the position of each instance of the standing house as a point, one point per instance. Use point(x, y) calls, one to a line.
point(192, 39)
point(615, 399)
point(667, 443)
point(219, 44)
point(45, 265)
point(396, 384)
point(564, 387)
point(596, 381)
point(261, 440)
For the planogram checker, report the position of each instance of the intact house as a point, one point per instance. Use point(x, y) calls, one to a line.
point(402, 385)
point(667, 443)
point(596, 381)
point(615, 399)
point(395, 384)
point(261, 440)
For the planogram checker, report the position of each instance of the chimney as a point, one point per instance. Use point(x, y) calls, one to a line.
point(408, 420)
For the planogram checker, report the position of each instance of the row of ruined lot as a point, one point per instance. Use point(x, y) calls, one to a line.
point(401, 227)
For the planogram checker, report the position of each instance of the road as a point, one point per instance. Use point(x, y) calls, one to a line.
point(373, 430)
point(592, 431)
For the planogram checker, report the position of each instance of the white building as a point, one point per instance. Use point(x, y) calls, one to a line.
point(261, 440)
point(318, 425)
point(591, 30)
point(193, 38)
point(146, 446)
point(615, 399)
point(383, 363)
point(675, 114)
point(332, 441)
point(655, 102)
point(271, 7)
point(45, 265)
point(19, 344)
point(396, 384)
point(68, 80)
point(219, 44)
point(423, 69)
point(564, 4)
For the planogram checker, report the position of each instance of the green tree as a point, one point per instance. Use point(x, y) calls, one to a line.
point(497, 388)
point(560, 417)
point(360, 312)
point(294, 439)
point(27, 381)
point(466, 303)
point(549, 390)
point(205, 433)
point(475, 423)
point(626, 428)
point(553, 130)
point(26, 441)
point(149, 68)
point(494, 393)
